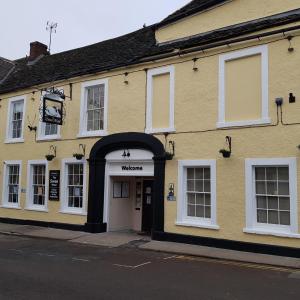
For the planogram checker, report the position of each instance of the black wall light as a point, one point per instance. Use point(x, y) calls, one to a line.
point(52, 153)
point(227, 153)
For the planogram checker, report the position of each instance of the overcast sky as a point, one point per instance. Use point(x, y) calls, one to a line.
point(80, 22)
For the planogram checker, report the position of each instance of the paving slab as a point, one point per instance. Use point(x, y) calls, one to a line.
point(17, 229)
point(108, 239)
point(58, 234)
point(194, 250)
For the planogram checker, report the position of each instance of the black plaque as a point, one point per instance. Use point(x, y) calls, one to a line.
point(54, 180)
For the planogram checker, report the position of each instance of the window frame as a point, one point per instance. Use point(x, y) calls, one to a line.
point(182, 218)
point(150, 74)
point(5, 202)
point(259, 50)
point(83, 132)
point(64, 184)
point(9, 139)
point(29, 194)
point(252, 226)
point(42, 126)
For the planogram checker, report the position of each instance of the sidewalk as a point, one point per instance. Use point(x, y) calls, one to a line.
point(116, 239)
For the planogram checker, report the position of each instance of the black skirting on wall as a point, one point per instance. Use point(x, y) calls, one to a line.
point(226, 244)
point(73, 227)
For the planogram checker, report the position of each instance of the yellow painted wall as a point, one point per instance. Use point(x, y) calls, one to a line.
point(161, 101)
point(233, 12)
point(243, 89)
point(196, 109)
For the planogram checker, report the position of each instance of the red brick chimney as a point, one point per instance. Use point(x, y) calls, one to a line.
point(37, 49)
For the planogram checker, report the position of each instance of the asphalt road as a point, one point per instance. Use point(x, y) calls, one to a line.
point(49, 269)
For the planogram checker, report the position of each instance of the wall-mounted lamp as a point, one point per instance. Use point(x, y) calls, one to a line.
point(81, 153)
point(126, 78)
point(291, 48)
point(171, 153)
point(52, 153)
point(227, 152)
point(195, 68)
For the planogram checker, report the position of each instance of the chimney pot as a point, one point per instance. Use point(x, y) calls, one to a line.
point(37, 49)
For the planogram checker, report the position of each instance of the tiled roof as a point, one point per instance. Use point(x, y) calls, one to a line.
point(124, 51)
point(5, 67)
point(191, 8)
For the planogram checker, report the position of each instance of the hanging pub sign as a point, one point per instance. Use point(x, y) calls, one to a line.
point(54, 179)
point(53, 107)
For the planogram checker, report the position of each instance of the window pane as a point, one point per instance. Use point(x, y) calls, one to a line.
point(273, 203)
point(273, 217)
point(261, 202)
point(271, 173)
point(283, 173)
point(285, 218)
point(260, 173)
point(190, 173)
point(283, 188)
point(200, 199)
point(199, 173)
point(284, 203)
point(75, 185)
point(260, 187)
point(262, 216)
point(200, 211)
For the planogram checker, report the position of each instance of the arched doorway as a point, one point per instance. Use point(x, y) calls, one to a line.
point(97, 174)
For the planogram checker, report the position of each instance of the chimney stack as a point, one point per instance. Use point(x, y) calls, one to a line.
point(37, 49)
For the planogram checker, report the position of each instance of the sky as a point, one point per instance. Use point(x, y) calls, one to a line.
point(80, 22)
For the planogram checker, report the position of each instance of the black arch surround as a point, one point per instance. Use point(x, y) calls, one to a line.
point(119, 141)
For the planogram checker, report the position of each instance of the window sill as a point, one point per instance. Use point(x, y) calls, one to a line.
point(198, 225)
point(10, 207)
point(160, 130)
point(14, 141)
point(37, 209)
point(244, 123)
point(271, 232)
point(79, 213)
point(49, 138)
point(92, 134)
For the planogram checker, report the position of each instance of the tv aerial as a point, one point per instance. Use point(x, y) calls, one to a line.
point(51, 27)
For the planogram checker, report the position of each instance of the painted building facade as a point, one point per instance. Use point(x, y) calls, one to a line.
point(189, 130)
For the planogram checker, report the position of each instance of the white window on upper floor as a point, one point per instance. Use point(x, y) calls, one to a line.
point(47, 131)
point(37, 185)
point(94, 108)
point(160, 100)
point(11, 184)
point(271, 196)
point(73, 191)
point(15, 120)
point(196, 203)
point(243, 87)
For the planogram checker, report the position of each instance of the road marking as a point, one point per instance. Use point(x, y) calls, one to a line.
point(133, 267)
point(170, 257)
point(80, 259)
point(240, 264)
point(46, 254)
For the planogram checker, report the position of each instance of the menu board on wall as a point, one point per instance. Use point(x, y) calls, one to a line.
point(54, 180)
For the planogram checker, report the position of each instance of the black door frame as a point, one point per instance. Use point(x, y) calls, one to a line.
point(97, 162)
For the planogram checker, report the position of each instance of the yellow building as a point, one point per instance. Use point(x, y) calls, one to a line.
point(188, 129)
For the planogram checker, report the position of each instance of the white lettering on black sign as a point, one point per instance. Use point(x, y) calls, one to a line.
point(54, 180)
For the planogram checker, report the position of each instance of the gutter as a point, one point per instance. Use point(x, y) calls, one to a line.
point(184, 51)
